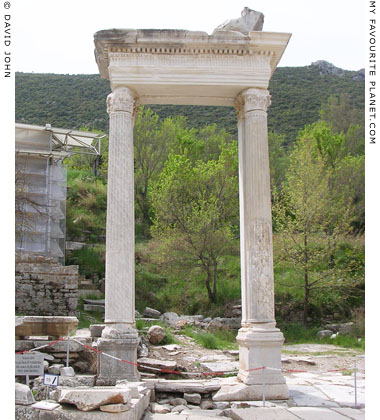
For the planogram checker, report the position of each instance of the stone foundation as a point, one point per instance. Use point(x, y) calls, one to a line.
point(45, 287)
point(123, 347)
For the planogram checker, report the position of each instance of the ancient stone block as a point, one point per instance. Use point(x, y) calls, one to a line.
point(114, 408)
point(194, 398)
point(90, 399)
point(23, 394)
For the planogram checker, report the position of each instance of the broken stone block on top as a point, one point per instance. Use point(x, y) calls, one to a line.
point(249, 21)
point(88, 399)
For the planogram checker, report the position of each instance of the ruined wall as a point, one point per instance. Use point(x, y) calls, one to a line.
point(45, 287)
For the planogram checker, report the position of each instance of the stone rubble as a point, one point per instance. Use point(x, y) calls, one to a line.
point(156, 334)
point(151, 313)
point(147, 363)
point(67, 371)
point(159, 408)
point(23, 394)
point(193, 398)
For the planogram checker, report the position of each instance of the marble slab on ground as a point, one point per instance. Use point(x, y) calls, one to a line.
point(315, 348)
point(221, 366)
point(308, 396)
point(67, 412)
point(344, 395)
point(82, 332)
point(215, 358)
point(155, 416)
point(352, 413)
point(340, 380)
point(318, 413)
point(186, 385)
point(201, 413)
point(262, 413)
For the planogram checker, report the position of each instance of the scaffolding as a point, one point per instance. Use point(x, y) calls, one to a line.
point(41, 185)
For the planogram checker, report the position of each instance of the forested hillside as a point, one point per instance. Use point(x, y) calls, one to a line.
point(74, 101)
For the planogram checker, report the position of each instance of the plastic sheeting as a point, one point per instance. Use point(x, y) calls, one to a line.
point(41, 185)
point(40, 204)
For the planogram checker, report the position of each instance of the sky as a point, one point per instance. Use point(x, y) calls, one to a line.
point(57, 36)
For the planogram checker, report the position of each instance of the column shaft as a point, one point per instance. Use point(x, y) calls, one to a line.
point(120, 238)
point(119, 337)
point(259, 340)
point(255, 211)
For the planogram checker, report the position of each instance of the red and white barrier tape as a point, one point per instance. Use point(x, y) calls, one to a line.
point(42, 347)
point(175, 372)
point(199, 373)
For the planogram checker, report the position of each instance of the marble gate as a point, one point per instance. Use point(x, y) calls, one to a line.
point(231, 67)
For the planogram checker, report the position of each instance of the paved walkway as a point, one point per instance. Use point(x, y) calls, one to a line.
point(313, 396)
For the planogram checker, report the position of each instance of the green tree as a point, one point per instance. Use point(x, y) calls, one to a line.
point(196, 208)
point(344, 118)
point(279, 158)
point(311, 213)
point(153, 141)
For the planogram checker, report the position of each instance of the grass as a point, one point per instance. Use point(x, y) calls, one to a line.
point(219, 339)
point(93, 296)
point(298, 334)
point(86, 318)
point(91, 261)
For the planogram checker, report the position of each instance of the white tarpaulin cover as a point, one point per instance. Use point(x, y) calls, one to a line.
point(41, 185)
point(47, 139)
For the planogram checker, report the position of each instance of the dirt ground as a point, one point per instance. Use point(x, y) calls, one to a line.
point(189, 357)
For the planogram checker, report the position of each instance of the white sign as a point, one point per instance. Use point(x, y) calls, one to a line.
point(50, 379)
point(29, 364)
point(45, 405)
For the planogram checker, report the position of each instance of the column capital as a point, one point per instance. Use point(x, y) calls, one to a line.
point(121, 99)
point(253, 100)
point(239, 106)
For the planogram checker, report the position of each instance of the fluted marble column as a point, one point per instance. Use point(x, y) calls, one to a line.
point(119, 337)
point(120, 233)
point(259, 340)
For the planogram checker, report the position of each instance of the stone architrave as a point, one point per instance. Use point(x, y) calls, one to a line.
point(119, 337)
point(259, 340)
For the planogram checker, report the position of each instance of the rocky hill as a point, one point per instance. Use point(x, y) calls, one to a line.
point(74, 101)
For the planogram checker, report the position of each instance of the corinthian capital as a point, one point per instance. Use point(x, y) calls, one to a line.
point(121, 99)
point(256, 100)
point(239, 106)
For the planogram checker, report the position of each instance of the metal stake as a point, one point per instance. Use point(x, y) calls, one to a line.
point(356, 397)
point(263, 386)
point(27, 380)
point(67, 349)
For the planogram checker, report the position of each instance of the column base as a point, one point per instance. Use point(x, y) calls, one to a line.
point(260, 346)
point(233, 390)
point(123, 345)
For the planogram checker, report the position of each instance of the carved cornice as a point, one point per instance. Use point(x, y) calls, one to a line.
point(256, 100)
point(213, 52)
point(180, 43)
point(121, 100)
point(192, 59)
